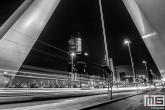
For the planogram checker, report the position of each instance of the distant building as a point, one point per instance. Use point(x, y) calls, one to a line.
point(125, 73)
point(75, 44)
point(79, 60)
point(80, 64)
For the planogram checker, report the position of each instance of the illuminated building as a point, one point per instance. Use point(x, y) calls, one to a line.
point(80, 65)
point(74, 48)
point(124, 73)
point(79, 60)
point(75, 44)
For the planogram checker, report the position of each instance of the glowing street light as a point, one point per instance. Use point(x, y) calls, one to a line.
point(73, 54)
point(86, 54)
point(127, 42)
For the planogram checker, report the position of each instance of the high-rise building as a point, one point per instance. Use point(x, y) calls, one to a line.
point(72, 44)
point(78, 62)
point(75, 44)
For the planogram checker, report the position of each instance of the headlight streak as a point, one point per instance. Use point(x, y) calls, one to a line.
point(51, 78)
point(28, 72)
point(58, 75)
point(48, 76)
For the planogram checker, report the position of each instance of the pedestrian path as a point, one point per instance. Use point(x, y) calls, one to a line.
point(132, 103)
point(142, 107)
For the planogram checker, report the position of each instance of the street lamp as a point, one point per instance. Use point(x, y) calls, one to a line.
point(86, 54)
point(151, 74)
point(128, 43)
point(146, 70)
point(153, 77)
point(72, 55)
point(9, 76)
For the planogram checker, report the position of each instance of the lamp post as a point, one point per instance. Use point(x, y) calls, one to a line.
point(72, 55)
point(128, 43)
point(153, 77)
point(152, 74)
point(83, 69)
point(146, 70)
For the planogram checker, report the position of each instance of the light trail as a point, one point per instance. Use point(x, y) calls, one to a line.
point(54, 76)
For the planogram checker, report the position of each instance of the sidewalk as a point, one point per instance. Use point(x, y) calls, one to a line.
point(162, 91)
point(132, 103)
point(142, 107)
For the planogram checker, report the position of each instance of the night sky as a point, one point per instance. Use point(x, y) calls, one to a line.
point(83, 16)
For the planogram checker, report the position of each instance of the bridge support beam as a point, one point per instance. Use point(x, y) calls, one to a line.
point(20, 32)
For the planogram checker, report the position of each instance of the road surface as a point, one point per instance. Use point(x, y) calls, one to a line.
point(65, 104)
